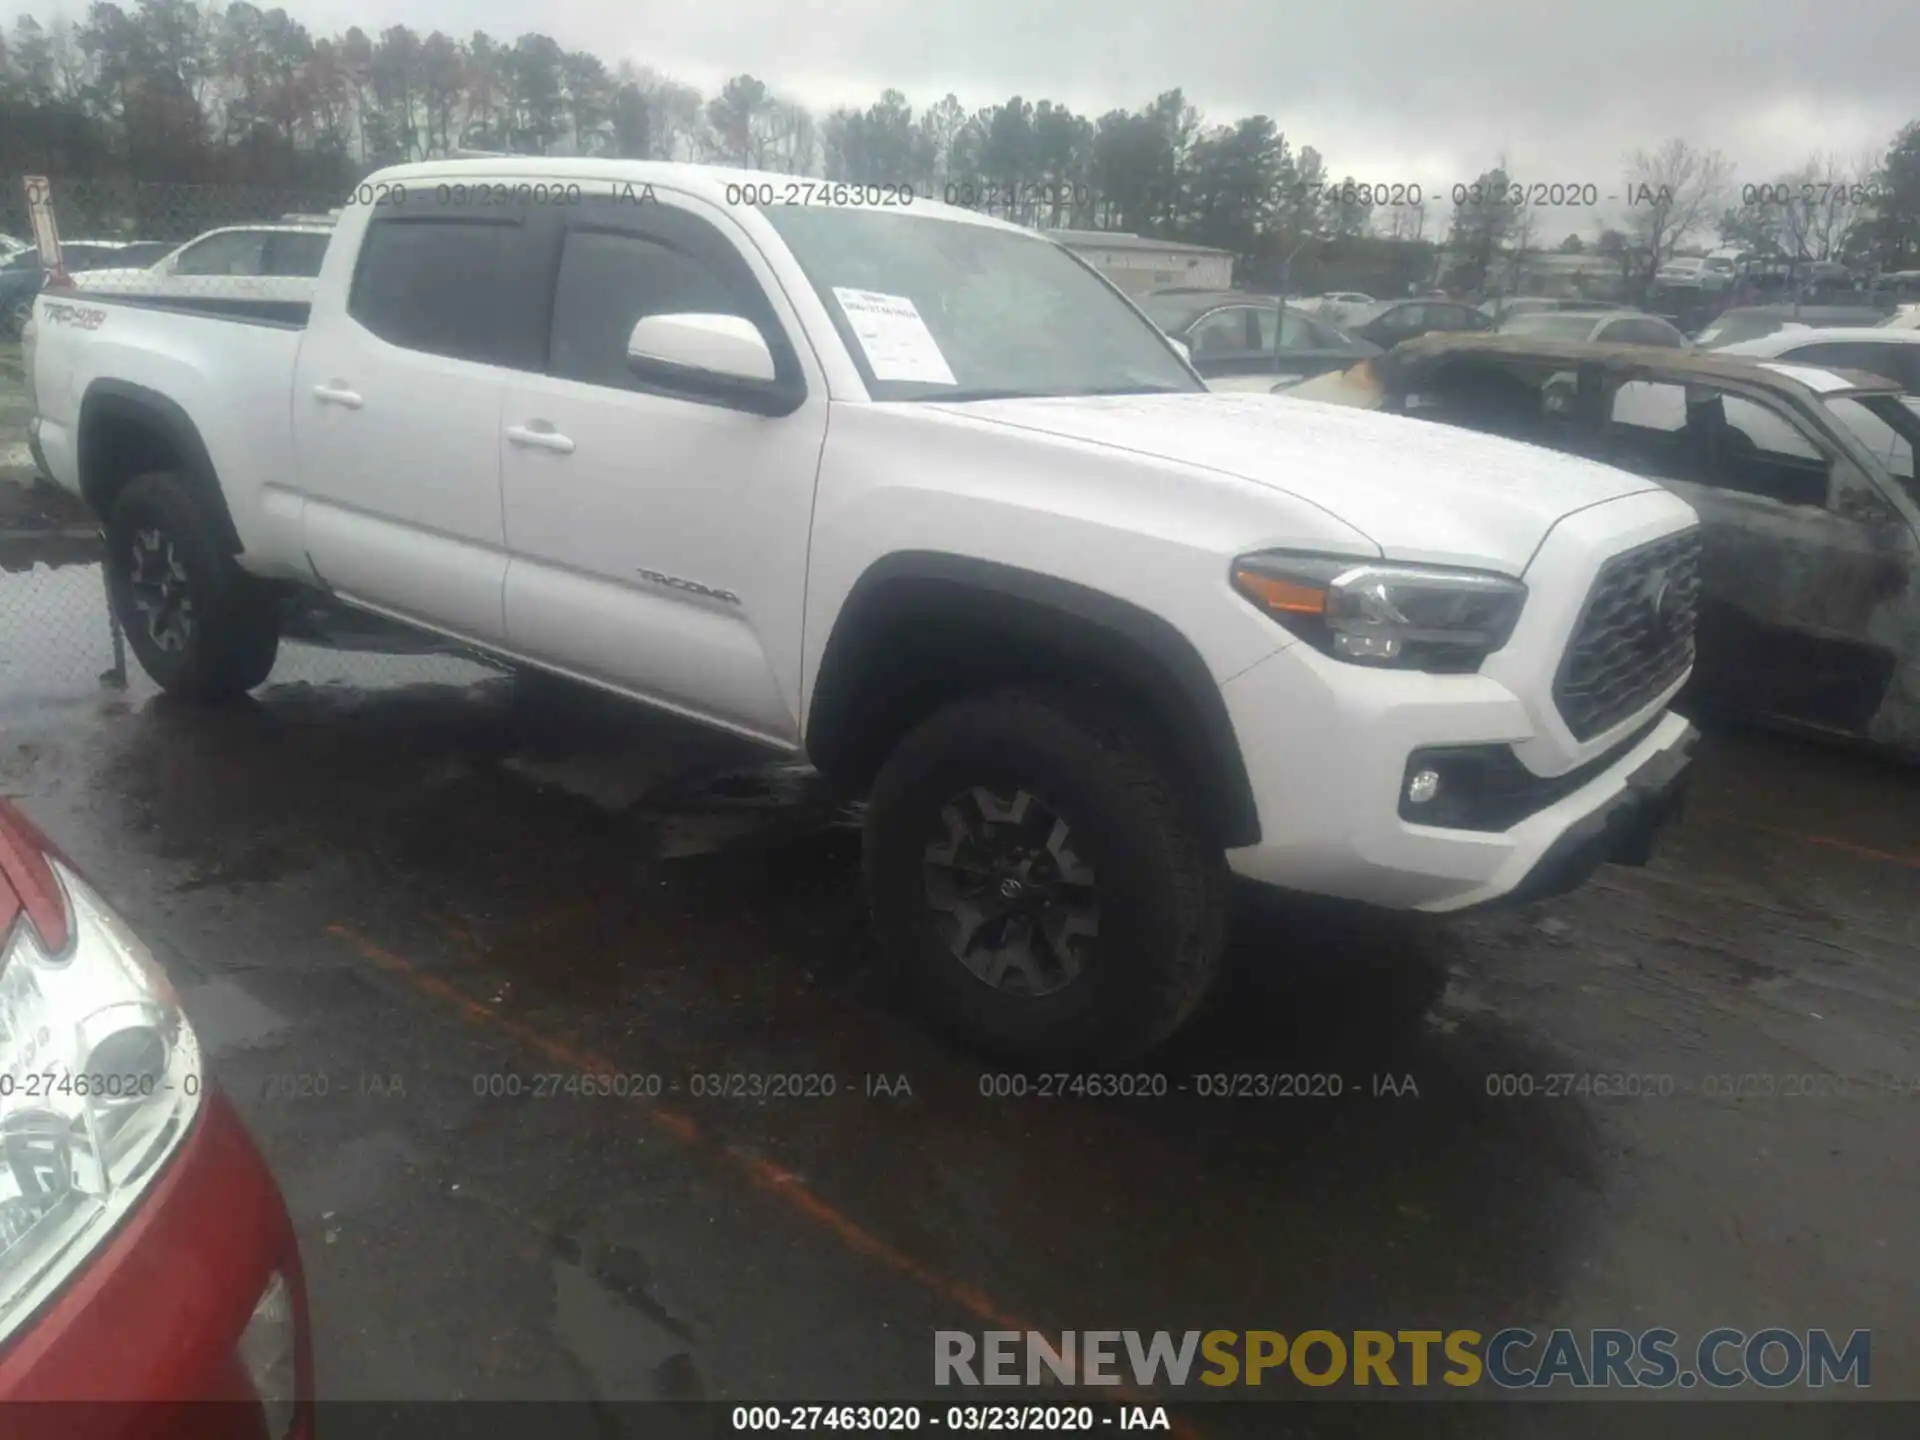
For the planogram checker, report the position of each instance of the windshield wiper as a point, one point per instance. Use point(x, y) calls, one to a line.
point(1137, 390)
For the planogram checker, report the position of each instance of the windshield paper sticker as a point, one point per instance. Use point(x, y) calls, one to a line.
point(897, 342)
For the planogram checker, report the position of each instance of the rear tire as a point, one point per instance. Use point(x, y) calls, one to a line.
point(1038, 875)
point(199, 625)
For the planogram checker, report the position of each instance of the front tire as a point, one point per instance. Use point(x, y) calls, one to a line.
point(1041, 880)
point(199, 625)
point(14, 317)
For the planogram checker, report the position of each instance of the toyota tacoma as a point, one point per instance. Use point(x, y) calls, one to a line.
point(919, 497)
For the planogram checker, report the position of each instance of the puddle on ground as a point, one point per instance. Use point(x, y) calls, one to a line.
point(705, 813)
point(607, 1316)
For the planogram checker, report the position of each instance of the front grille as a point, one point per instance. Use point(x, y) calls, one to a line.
point(1635, 636)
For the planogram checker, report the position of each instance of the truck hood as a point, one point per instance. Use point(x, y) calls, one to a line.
point(1420, 491)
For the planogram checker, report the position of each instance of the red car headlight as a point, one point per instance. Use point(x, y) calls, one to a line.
point(99, 1083)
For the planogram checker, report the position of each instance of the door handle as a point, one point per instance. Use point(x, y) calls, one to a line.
point(335, 392)
point(539, 436)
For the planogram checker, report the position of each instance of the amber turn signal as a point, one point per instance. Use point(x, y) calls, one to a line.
point(1287, 596)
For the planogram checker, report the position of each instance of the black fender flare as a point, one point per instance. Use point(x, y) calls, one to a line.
point(109, 400)
point(1054, 617)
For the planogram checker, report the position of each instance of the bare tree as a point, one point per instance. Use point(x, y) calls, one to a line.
point(1406, 222)
point(678, 116)
point(1671, 193)
point(1522, 240)
point(1819, 205)
point(790, 139)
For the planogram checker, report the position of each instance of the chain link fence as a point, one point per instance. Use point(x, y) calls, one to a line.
point(128, 210)
point(58, 638)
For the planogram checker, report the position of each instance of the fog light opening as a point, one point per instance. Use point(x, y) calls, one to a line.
point(1423, 786)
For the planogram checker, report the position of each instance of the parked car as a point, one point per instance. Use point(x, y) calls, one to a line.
point(271, 265)
point(146, 1257)
point(1897, 292)
point(22, 275)
point(1688, 270)
point(1088, 638)
point(1230, 337)
point(1893, 354)
point(1750, 322)
point(1335, 306)
point(1803, 478)
point(1392, 321)
point(1598, 327)
point(1710, 273)
point(1498, 310)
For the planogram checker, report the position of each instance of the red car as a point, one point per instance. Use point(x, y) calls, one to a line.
point(148, 1270)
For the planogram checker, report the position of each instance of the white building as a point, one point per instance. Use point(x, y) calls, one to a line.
point(1139, 264)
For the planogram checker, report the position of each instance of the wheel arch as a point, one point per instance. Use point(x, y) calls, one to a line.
point(125, 430)
point(920, 628)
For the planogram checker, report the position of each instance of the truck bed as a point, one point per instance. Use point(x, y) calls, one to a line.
point(224, 364)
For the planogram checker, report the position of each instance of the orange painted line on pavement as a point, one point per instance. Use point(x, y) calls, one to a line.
point(1865, 852)
point(765, 1176)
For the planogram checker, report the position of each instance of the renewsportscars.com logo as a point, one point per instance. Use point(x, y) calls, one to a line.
point(1512, 1359)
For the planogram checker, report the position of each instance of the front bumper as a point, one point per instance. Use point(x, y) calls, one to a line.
point(141, 1344)
point(1328, 757)
point(1621, 831)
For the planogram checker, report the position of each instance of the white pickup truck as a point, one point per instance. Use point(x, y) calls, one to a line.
point(917, 495)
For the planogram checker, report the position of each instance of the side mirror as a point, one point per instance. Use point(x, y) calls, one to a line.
point(720, 358)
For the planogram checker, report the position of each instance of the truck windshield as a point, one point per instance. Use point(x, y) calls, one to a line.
point(937, 309)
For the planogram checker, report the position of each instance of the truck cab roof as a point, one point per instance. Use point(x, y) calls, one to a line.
point(718, 184)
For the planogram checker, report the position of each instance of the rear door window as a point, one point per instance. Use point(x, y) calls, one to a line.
point(449, 282)
point(1223, 335)
point(1296, 331)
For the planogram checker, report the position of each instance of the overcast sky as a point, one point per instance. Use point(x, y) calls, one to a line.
point(1391, 91)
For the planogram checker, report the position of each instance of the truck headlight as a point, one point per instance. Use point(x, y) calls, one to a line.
point(1406, 617)
point(99, 1083)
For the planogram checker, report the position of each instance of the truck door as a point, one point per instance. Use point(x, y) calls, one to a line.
point(659, 538)
point(396, 405)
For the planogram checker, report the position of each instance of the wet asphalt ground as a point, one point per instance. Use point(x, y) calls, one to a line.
point(404, 913)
